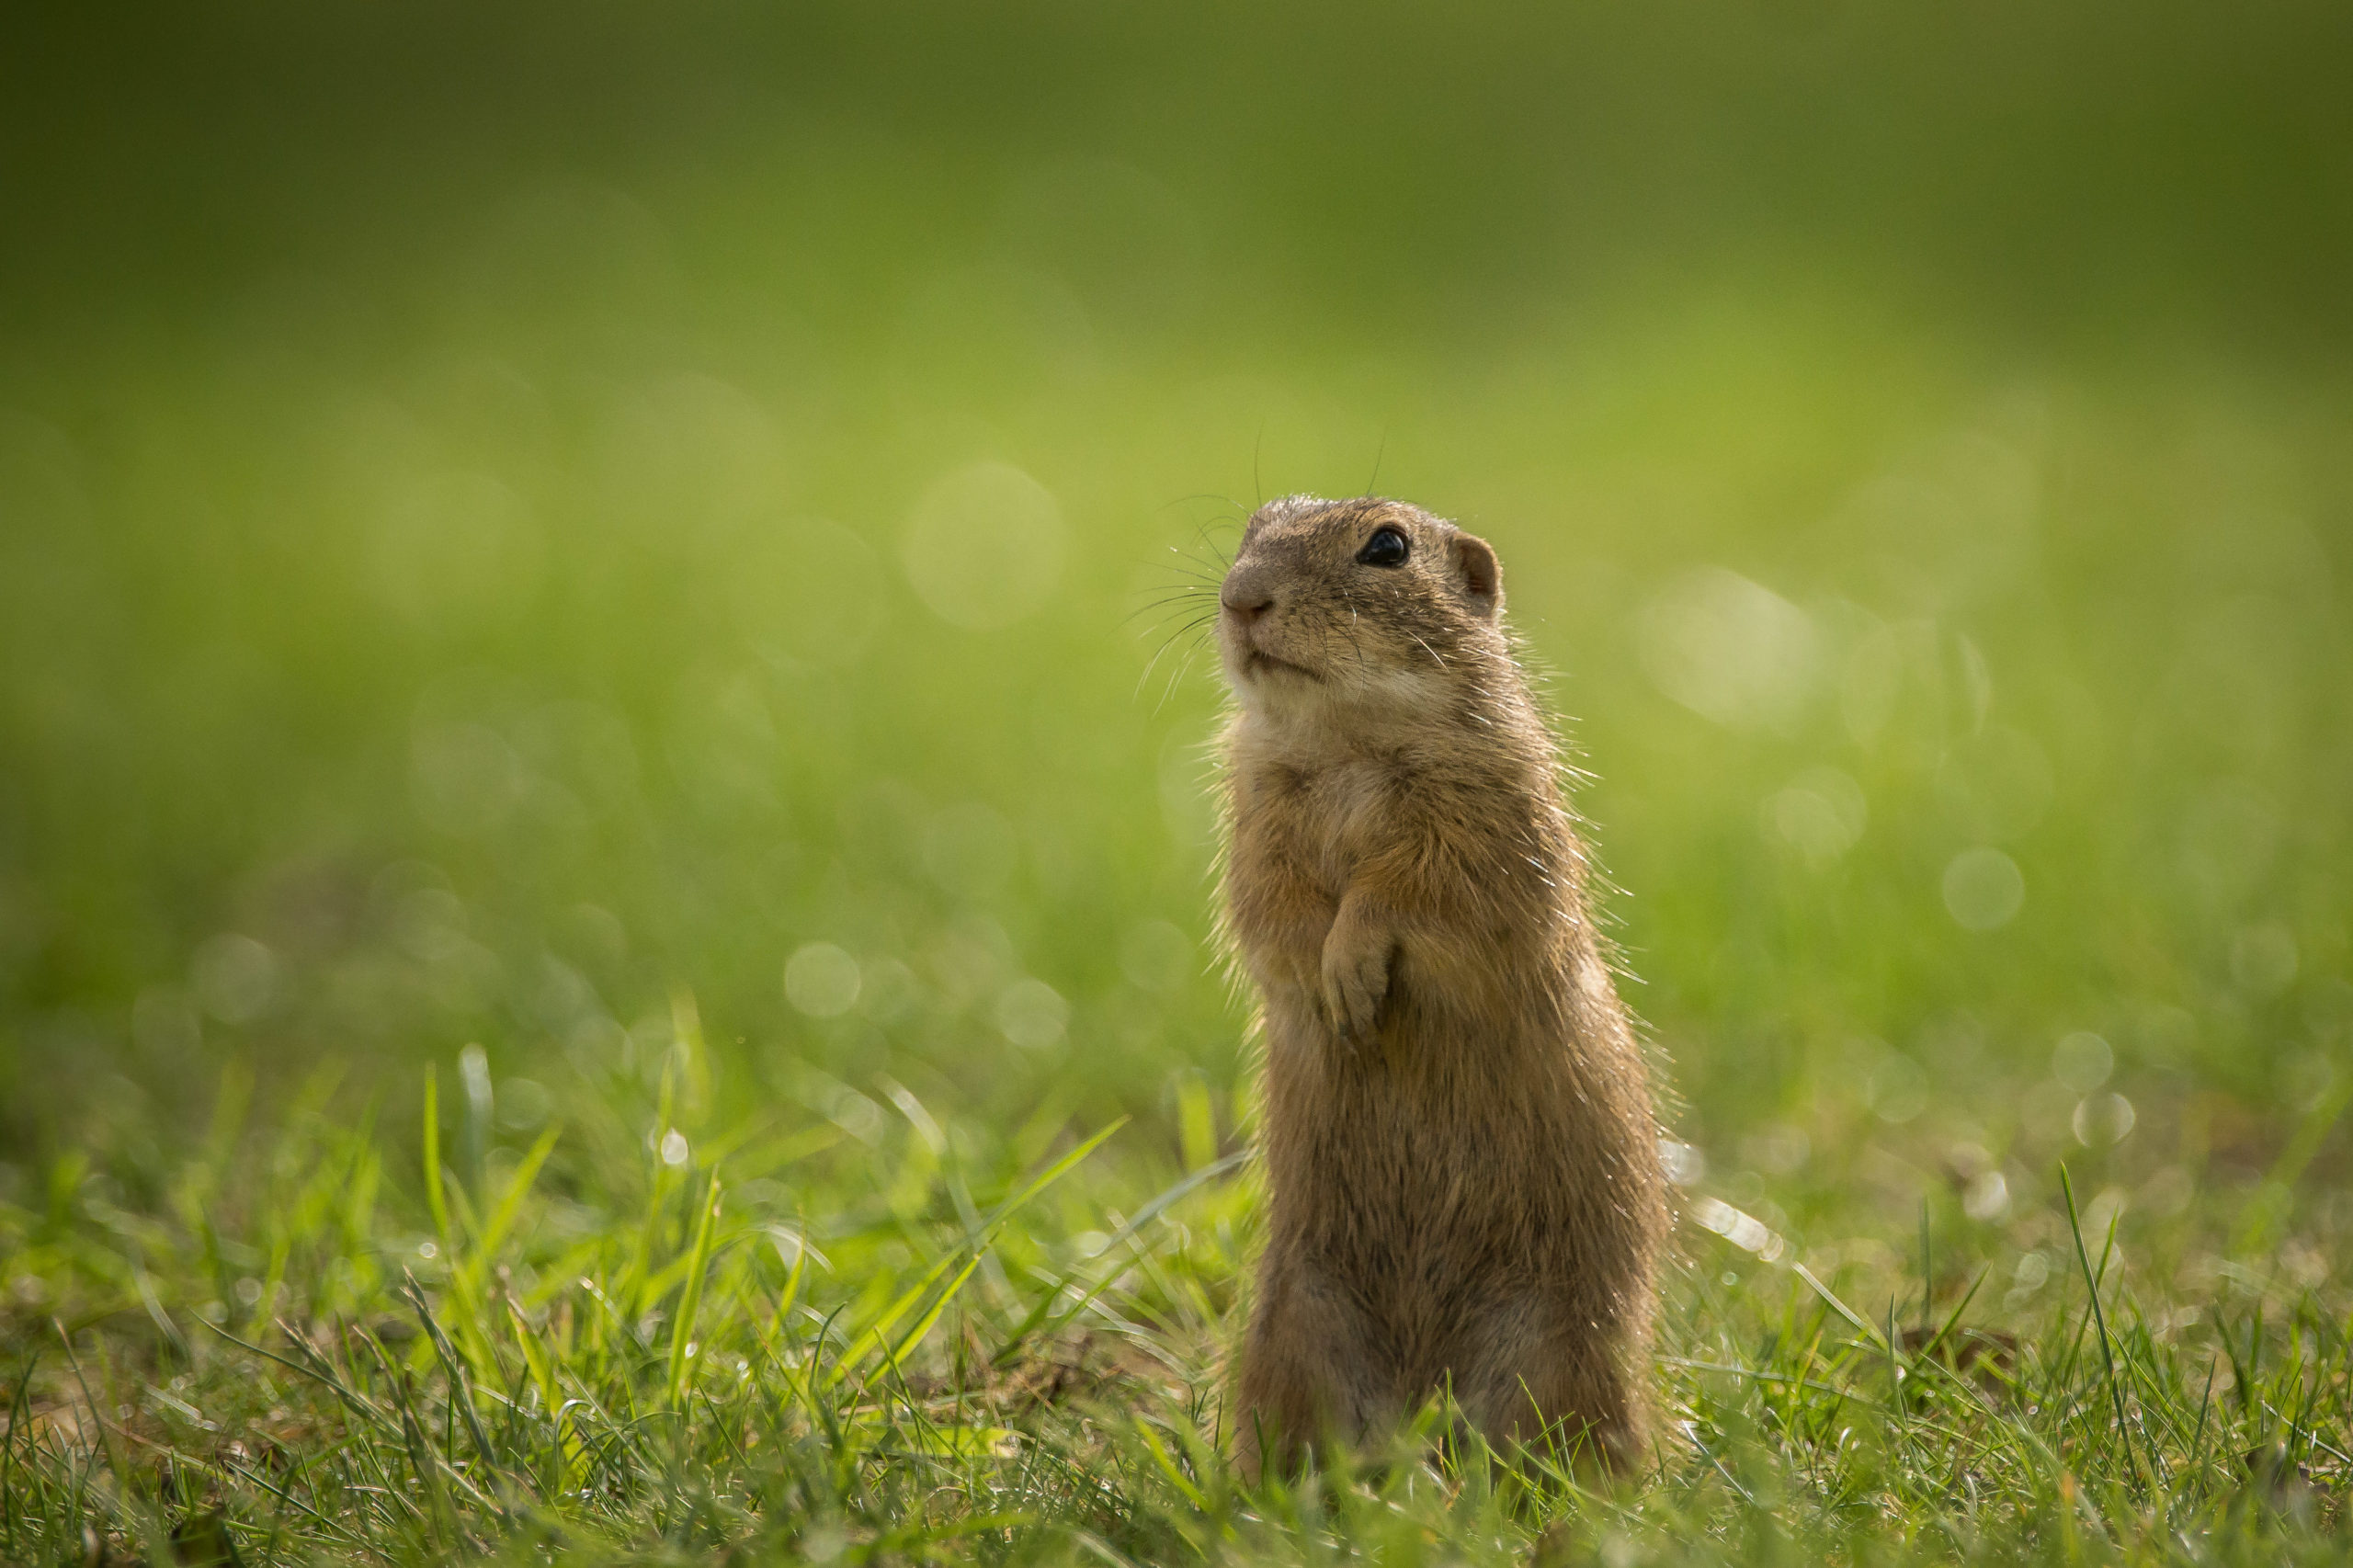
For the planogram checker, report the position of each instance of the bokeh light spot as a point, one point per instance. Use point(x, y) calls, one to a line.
point(1983, 889)
point(2103, 1119)
point(2082, 1060)
point(2264, 960)
point(1899, 1089)
point(1820, 813)
point(985, 547)
point(1032, 1014)
point(1156, 956)
point(1987, 1197)
point(1730, 650)
point(237, 978)
point(822, 980)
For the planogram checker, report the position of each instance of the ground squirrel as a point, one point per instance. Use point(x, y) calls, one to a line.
point(1463, 1162)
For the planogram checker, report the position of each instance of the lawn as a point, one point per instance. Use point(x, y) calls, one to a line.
point(605, 835)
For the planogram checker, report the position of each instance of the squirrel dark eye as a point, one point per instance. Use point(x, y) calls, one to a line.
point(1387, 547)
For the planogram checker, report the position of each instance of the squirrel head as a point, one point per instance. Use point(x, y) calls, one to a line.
point(1365, 605)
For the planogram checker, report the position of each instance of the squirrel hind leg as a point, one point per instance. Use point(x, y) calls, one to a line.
point(1567, 1389)
point(1313, 1372)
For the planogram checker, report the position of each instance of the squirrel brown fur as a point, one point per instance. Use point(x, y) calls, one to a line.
point(1465, 1184)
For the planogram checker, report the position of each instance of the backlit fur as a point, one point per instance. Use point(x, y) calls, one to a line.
point(1460, 1145)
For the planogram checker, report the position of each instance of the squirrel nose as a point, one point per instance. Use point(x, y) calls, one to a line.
point(1245, 602)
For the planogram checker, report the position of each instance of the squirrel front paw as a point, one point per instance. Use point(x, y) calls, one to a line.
point(1356, 979)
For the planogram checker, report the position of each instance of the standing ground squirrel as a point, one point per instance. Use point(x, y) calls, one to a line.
point(1460, 1144)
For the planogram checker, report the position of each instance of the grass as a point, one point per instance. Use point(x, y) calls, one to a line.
point(603, 865)
point(647, 1338)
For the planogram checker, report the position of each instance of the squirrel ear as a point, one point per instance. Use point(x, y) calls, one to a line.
point(1482, 577)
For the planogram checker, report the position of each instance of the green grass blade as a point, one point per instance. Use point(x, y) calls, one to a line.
point(434, 1202)
point(877, 1332)
point(461, 1385)
point(510, 1203)
point(2099, 1314)
point(682, 1328)
point(1169, 1196)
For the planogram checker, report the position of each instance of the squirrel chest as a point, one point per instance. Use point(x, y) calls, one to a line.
point(1302, 834)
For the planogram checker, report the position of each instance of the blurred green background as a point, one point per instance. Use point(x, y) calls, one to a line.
point(510, 521)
